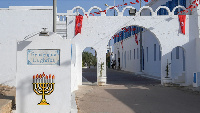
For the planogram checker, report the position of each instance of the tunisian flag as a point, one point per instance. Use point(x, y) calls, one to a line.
point(182, 19)
point(78, 26)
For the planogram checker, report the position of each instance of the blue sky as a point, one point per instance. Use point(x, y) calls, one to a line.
point(64, 5)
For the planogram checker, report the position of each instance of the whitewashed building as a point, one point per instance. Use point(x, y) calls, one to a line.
point(162, 43)
point(146, 56)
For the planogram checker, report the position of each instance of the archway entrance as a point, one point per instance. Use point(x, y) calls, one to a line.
point(140, 52)
point(89, 64)
point(95, 34)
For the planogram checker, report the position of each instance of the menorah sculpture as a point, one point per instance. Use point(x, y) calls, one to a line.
point(43, 85)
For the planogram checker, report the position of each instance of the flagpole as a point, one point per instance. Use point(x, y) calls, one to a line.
point(54, 15)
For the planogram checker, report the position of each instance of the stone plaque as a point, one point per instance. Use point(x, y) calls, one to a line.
point(43, 57)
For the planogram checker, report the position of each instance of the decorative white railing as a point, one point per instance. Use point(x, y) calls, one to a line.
point(61, 16)
point(153, 13)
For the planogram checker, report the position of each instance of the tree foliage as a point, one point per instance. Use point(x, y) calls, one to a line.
point(89, 59)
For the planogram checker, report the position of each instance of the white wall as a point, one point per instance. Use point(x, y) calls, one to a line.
point(60, 98)
point(133, 64)
point(19, 23)
point(177, 64)
point(165, 28)
point(152, 67)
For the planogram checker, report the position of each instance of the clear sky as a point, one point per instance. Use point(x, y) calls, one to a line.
point(64, 5)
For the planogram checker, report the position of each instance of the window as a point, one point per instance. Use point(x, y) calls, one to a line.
point(115, 56)
point(182, 3)
point(130, 54)
point(125, 59)
point(137, 54)
point(159, 54)
point(154, 52)
point(183, 61)
point(134, 53)
point(177, 52)
point(122, 59)
point(147, 54)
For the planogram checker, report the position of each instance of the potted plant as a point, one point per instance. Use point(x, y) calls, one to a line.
point(101, 78)
point(167, 80)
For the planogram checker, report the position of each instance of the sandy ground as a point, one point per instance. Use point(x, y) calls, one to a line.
point(7, 92)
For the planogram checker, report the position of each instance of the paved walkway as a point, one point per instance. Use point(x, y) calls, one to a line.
point(129, 93)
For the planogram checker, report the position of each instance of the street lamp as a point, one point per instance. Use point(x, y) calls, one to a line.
point(107, 5)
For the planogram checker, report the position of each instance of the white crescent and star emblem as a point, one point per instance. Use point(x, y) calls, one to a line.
point(182, 23)
point(79, 24)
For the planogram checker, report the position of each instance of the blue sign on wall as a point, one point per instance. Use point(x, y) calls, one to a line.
point(43, 57)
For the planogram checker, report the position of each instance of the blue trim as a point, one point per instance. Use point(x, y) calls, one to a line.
point(30, 63)
point(195, 78)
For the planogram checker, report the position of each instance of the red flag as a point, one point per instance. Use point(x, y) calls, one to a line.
point(78, 26)
point(136, 40)
point(137, 1)
point(182, 19)
point(146, 0)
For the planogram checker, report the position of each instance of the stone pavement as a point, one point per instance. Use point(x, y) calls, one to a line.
point(130, 93)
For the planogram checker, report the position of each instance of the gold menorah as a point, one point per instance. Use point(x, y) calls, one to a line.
point(43, 85)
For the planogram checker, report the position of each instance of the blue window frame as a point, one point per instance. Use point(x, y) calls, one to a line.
point(126, 34)
point(177, 52)
point(122, 34)
point(125, 59)
point(183, 61)
point(132, 32)
point(170, 5)
point(159, 54)
point(182, 3)
point(129, 31)
point(147, 54)
point(135, 30)
point(154, 52)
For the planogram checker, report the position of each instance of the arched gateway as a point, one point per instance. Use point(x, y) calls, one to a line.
point(98, 30)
